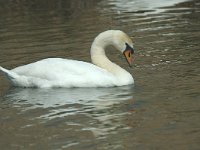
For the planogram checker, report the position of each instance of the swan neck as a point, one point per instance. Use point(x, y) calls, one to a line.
point(100, 43)
point(99, 57)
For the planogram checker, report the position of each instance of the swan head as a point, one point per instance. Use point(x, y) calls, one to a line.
point(116, 38)
point(123, 43)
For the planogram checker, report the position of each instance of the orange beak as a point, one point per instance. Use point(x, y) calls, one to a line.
point(128, 56)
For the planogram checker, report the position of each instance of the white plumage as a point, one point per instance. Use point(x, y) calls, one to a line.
point(58, 72)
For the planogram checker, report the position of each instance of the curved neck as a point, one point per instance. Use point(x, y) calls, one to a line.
point(99, 57)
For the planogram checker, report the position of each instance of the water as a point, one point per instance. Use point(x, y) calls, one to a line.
point(162, 109)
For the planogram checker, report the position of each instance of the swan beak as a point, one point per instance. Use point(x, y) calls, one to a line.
point(128, 56)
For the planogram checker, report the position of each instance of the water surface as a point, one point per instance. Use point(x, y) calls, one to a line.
point(162, 109)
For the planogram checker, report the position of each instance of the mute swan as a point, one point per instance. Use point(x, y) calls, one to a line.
point(58, 72)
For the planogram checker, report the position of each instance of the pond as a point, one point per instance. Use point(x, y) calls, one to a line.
point(161, 110)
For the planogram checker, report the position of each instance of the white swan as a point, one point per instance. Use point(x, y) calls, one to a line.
point(58, 72)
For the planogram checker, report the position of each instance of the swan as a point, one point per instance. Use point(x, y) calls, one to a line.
point(59, 72)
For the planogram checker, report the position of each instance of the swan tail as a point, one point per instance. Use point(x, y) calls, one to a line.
point(9, 74)
point(24, 81)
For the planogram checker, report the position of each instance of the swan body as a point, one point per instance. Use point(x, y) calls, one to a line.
point(58, 72)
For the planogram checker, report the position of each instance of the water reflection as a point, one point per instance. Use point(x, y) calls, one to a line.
point(142, 6)
point(97, 97)
point(91, 103)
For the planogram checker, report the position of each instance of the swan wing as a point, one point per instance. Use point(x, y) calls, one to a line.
point(58, 72)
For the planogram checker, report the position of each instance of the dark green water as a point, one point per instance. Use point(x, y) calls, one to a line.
point(162, 109)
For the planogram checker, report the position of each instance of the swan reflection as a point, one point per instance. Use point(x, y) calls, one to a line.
point(94, 109)
point(96, 97)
